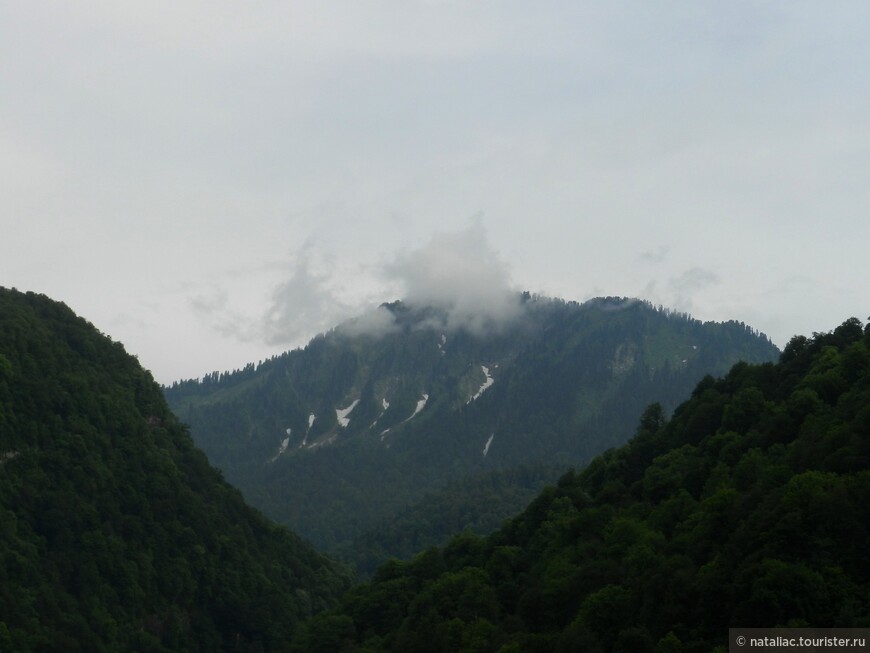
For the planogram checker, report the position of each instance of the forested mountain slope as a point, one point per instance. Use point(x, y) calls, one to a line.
point(750, 507)
point(115, 533)
point(337, 437)
point(478, 504)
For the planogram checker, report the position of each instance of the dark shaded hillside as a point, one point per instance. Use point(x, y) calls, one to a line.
point(750, 507)
point(343, 435)
point(115, 533)
point(477, 504)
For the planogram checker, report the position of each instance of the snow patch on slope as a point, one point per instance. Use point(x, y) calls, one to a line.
point(486, 384)
point(284, 444)
point(486, 446)
point(323, 443)
point(385, 404)
point(311, 419)
point(421, 404)
point(341, 414)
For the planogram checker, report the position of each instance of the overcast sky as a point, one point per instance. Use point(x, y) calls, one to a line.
point(212, 183)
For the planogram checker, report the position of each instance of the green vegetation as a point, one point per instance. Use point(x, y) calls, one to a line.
point(115, 533)
point(749, 507)
point(568, 382)
point(476, 504)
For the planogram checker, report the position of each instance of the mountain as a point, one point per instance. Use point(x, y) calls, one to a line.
point(479, 503)
point(750, 507)
point(115, 533)
point(370, 418)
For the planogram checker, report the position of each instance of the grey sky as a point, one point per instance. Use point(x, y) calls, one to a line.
point(214, 182)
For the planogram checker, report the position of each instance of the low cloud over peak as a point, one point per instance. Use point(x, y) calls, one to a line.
point(456, 273)
point(460, 274)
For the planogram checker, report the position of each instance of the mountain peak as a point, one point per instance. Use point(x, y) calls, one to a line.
point(401, 414)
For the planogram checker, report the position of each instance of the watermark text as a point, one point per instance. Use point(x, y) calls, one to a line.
point(773, 640)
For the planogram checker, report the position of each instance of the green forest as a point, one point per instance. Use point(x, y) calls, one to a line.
point(750, 507)
point(568, 382)
point(115, 532)
point(747, 505)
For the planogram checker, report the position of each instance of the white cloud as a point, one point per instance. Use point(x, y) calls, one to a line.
point(656, 255)
point(144, 144)
point(375, 322)
point(304, 304)
point(683, 290)
point(460, 273)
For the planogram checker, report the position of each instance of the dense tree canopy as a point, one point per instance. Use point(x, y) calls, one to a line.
point(749, 507)
point(562, 383)
point(115, 533)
